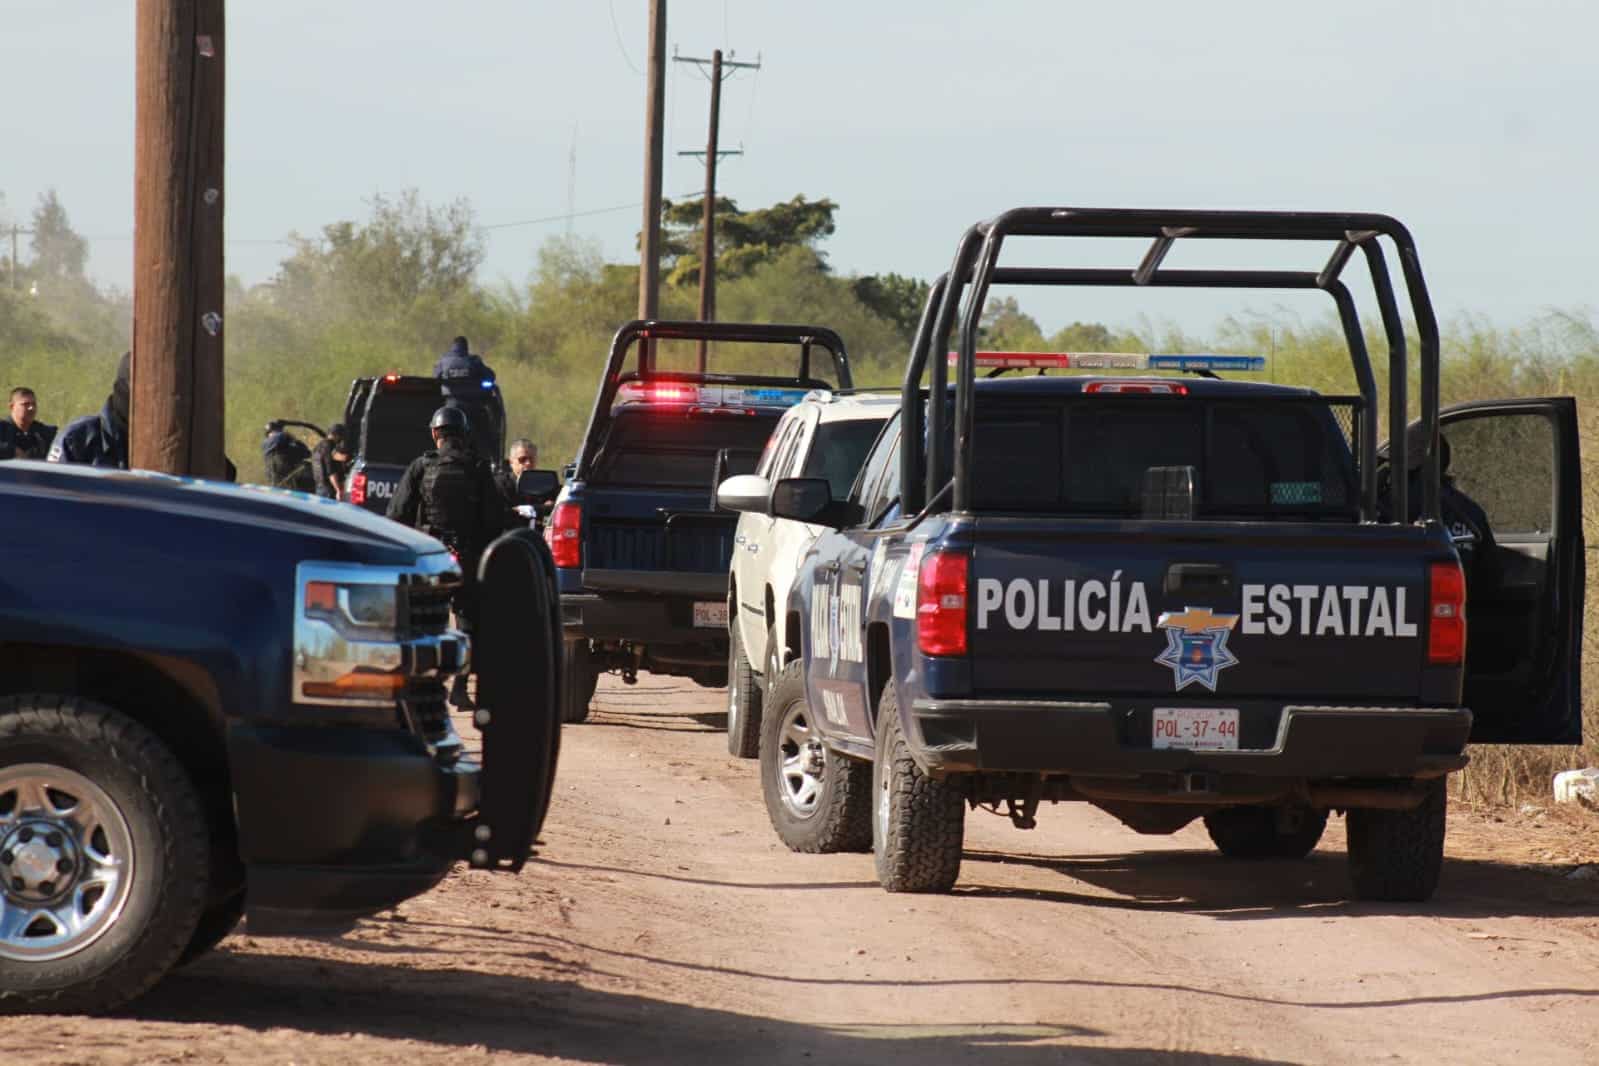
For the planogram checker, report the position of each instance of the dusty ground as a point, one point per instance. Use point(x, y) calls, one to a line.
point(663, 923)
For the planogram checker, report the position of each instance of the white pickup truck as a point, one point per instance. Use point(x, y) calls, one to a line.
point(826, 435)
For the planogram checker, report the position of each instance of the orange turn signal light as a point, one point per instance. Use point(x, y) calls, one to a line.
point(356, 684)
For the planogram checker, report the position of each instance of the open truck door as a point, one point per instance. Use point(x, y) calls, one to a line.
point(516, 650)
point(1519, 461)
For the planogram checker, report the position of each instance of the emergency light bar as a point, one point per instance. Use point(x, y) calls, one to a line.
point(688, 394)
point(1115, 361)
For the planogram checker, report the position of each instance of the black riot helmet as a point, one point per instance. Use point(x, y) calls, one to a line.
point(449, 421)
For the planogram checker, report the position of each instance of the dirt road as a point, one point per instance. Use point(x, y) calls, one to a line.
point(663, 923)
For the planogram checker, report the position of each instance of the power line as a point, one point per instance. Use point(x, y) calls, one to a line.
point(617, 30)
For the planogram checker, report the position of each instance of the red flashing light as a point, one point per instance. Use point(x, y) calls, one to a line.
point(657, 392)
point(1446, 614)
point(1158, 388)
point(357, 491)
point(941, 603)
point(564, 535)
point(391, 378)
point(1023, 360)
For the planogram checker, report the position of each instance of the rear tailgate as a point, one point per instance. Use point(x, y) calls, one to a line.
point(1199, 612)
point(655, 540)
point(379, 481)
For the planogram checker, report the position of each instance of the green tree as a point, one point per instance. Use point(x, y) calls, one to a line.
point(744, 239)
point(895, 297)
point(59, 253)
point(1006, 327)
point(408, 252)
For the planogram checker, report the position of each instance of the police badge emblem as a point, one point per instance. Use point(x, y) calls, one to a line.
point(1196, 645)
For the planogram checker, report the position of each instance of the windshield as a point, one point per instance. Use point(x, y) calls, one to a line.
point(1266, 457)
point(396, 430)
point(839, 450)
point(660, 449)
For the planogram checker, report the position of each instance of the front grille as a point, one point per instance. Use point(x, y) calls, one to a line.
point(428, 608)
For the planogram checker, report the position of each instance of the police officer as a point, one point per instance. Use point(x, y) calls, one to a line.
point(330, 462)
point(450, 493)
point(459, 367)
point(102, 439)
point(23, 436)
point(286, 458)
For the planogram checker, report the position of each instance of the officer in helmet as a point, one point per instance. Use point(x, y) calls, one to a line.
point(450, 494)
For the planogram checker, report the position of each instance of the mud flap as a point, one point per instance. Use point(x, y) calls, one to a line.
point(517, 654)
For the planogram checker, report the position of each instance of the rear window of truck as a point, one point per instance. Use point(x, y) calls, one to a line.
point(396, 429)
point(677, 451)
point(1251, 458)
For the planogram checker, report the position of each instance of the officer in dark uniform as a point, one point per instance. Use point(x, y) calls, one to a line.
point(23, 436)
point(287, 459)
point(330, 462)
point(1464, 517)
point(450, 494)
point(102, 439)
point(459, 368)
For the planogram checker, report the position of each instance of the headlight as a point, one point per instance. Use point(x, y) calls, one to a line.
point(354, 609)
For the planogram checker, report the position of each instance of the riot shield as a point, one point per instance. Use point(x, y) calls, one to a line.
point(517, 654)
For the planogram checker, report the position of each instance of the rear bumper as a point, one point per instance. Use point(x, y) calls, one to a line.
point(1099, 740)
point(651, 620)
point(335, 824)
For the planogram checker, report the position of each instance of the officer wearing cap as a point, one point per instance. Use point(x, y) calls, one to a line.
point(450, 493)
point(286, 458)
point(102, 439)
point(330, 461)
point(458, 368)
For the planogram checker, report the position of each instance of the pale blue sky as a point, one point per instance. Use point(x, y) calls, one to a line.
point(1472, 122)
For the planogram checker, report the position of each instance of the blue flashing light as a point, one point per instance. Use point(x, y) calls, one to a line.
point(487, 383)
point(1207, 362)
point(774, 397)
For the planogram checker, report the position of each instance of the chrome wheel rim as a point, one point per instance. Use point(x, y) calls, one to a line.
point(802, 761)
point(66, 862)
point(732, 700)
point(880, 806)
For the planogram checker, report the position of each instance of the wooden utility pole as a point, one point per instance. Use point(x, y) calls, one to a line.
point(176, 417)
point(649, 276)
point(708, 221)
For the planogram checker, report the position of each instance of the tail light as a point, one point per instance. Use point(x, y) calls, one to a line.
point(1161, 388)
point(1446, 614)
point(564, 535)
point(941, 603)
point(357, 491)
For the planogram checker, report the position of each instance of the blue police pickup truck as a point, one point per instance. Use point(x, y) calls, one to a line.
point(387, 418)
point(1174, 597)
point(218, 701)
point(640, 545)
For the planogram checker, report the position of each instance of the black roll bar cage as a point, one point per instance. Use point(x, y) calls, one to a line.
point(976, 268)
point(648, 331)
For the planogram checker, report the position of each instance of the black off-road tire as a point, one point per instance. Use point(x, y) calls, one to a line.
point(1258, 832)
point(842, 816)
point(1396, 856)
point(580, 676)
point(918, 824)
point(217, 922)
point(744, 700)
point(167, 830)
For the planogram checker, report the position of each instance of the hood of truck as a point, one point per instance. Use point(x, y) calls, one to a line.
point(52, 494)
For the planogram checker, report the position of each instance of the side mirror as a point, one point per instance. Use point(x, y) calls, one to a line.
point(746, 492)
point(538, 484)
point(804, 499)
